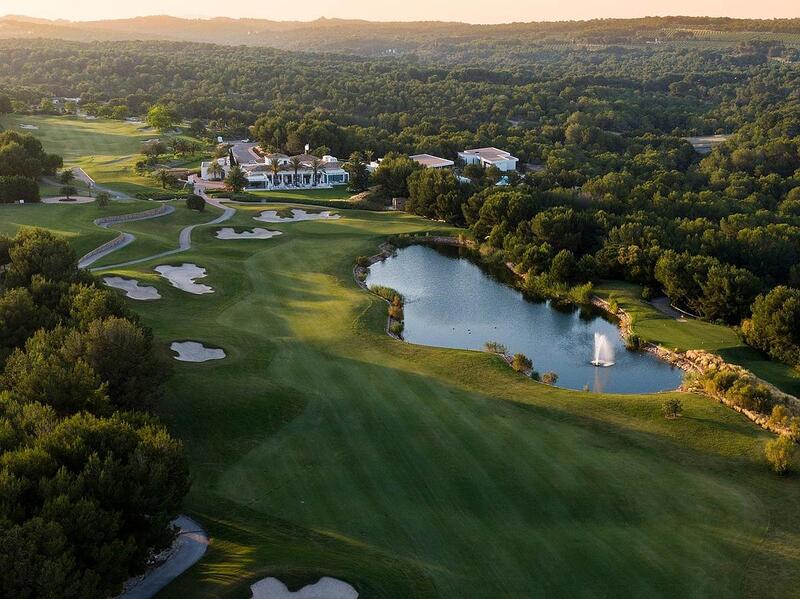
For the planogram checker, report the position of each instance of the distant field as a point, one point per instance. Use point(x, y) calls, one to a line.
point(106, 149)
point(652, 325)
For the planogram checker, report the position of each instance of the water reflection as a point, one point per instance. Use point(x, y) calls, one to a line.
point(452, 302)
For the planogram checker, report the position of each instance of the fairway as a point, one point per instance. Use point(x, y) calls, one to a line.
point(106, 149)
point(321, 446)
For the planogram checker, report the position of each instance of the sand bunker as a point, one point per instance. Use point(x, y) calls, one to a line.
point(24, 126)
point(192, 351)
point(257, 233)
point(183, 277)
point(326, 588)
point(132, 288)
point(271, 216)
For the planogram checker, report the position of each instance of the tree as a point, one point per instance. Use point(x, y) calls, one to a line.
point(5, 105)
point(393, 173)
point(68, 191)
point(563, 266)
point(521, 363)
point(236, 180)
point(195, 202)
point(21, 154)
point(39, 252)
point(435, 193)
point(774, 326)
point(161, 117)
point(67, 176)
point(672, 408)
point(317, 166)
point(103, 199)
point(358, 172)
point(780, 453)
point(550, 378)
point(276, 167)
point(215, 171)
point(295, 163)
point(165, 178)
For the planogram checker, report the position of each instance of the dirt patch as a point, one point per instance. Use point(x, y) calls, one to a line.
point(193, 351)
point(183, 276)
point(271, 216)
point(257, 233)
point(325, 588)
point(132, 288)
point(71, 200)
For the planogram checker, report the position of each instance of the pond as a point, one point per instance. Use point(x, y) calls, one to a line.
point(452, 302)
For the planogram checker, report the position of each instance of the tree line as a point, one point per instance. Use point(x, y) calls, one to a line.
point(89, 479)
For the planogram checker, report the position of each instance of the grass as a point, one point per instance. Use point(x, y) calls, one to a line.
point(72, 222)
point(656, 327)
point(106, 149)
point(321, 446)
point(290, 195)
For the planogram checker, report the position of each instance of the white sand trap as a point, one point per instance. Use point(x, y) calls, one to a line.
point(325, 588)
point(257, 233)
point(132, 288)
point(271, 216)
point(71, 200)
point(183, 277)
point(23, 126)
point(192, 351)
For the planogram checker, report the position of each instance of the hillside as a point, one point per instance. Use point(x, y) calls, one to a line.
point(434, 40)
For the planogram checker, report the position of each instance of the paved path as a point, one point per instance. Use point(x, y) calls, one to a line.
point(189, 547)
point(185, 237)
point(123, 238)
point(82, 175)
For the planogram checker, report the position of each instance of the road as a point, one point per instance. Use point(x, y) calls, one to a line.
point(190, 546)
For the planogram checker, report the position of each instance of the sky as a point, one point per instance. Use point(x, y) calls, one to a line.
point(471, 11)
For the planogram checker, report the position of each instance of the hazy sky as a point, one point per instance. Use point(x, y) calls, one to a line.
point(473, 11)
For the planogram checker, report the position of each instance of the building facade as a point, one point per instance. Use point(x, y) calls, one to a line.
point(487, 157)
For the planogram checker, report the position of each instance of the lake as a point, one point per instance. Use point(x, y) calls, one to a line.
point(452, 302)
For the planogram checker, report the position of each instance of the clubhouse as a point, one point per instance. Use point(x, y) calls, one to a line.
point(280, 171)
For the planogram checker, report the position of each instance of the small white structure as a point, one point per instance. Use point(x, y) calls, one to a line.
point(487, 157)
point(222, 171)
point(430, 161)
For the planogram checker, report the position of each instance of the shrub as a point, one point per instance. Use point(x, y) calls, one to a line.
point(672, 408)
point(386, 293)
point(396, 309)
point(362, 261)
point(103, 199)
point(16, 188)
point(521, 363)
point(495, 347)
point(633, 342)
point(780, 453)
point(195, 202)
point(550, 378)
point(397, 328)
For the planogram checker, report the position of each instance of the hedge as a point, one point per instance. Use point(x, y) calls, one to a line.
point(15, 188)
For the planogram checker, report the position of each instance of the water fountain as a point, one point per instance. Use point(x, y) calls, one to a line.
point(603, 351)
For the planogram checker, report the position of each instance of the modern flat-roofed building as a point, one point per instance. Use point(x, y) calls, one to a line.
point(431, 161)
point(487, 157)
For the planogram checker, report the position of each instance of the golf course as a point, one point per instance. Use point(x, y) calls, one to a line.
point(320, 446)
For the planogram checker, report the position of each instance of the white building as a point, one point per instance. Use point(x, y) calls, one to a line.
point(430, 161)
point(277, 171)
point(487, 157)
point(225, 167)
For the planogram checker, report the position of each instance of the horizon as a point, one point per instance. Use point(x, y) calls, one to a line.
point(471, 12)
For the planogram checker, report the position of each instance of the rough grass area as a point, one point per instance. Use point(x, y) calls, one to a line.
point(654, 326)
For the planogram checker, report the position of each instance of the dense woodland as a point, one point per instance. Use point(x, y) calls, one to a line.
point(612, 189)
point(89, 479)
